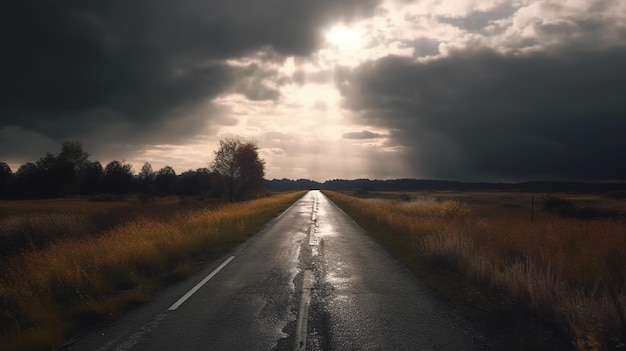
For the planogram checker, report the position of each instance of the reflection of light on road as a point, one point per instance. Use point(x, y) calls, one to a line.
point(324, 227)
point(337, 280)
point(338, 276)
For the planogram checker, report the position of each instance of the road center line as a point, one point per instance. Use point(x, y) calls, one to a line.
point(303, 312)
point(199, 285)
point(312, 239)
point(314, 210)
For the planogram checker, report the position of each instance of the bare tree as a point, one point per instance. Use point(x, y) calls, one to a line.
point(240, 166)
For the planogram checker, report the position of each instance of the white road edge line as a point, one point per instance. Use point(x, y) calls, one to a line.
point(199, 285)
point(303, 312)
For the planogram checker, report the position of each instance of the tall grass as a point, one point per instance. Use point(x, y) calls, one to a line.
point(35, 224)
point(570, 272)
point(48, 293)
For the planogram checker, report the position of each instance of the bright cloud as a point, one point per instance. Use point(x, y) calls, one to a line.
point(329, 89)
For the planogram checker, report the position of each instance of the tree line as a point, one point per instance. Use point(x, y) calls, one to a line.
point(236, 173)
point(616, 190)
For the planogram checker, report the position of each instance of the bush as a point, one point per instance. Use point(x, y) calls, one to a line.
point(568, 208)
point(559, 205)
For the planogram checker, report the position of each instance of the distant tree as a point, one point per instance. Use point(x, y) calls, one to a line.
point(54, 175)
point(218, 185)
point(27, 181)
point(6, 176)
point(73, 153)
point(251, 170)
point(165, 178)
point(50, 177)
point(145, 179)
point(118, 178)
point(224, 163)
point(193, 182)
point(72, 162)
point(240, 166)
point(91, 178)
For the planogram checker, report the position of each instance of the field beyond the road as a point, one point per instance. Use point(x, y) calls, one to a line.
point(552, 277)
point(70, 263)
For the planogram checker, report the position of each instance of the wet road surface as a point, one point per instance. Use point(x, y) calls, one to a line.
point(311, 280)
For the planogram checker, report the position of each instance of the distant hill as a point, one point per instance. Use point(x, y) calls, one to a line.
point(424, 184)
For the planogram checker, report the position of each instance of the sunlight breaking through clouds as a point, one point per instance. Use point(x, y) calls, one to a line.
point(330, 89)
point(342, 36)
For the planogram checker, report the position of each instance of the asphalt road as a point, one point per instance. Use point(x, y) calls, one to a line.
point(311, 280)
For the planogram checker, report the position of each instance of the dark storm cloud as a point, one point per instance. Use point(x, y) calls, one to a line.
point(423, 47)
point(478, 20)
point(363, 135)
point(252, 82)
point(482, 115)
point(76, 68)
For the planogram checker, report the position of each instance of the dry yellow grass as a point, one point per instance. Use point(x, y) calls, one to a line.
point(35, 224)
point(46, 292)
point(571, 272)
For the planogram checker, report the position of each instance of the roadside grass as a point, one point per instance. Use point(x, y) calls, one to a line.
point(523, 279)
point(34, 224)
point(50, 293)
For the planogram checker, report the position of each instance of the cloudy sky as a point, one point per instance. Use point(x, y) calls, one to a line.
point(478, 90)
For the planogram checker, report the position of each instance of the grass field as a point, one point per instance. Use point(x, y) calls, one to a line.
point(523, 274)
point(35, 224)
point(84, 262)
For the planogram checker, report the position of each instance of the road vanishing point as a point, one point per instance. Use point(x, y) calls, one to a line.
point(311, 280)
